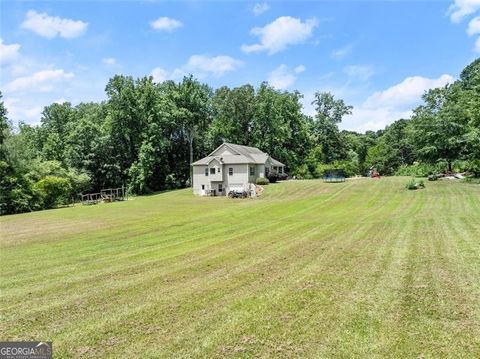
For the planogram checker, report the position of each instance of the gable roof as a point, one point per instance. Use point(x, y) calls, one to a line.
point(243, 154)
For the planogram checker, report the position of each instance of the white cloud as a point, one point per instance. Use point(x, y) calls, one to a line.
point(359, 72)
point(282, 77)
point(260, 8)
point(366, 119)
point(340, 53)
point(462, 8)
point(384, 107)
point(477, 45)
point(41, 81)
point(474, 26)
point(159, 75)
point(109, 61)
point(199, 65)
point(216, 65)
point(165, 24)
point(280, 33)
point(407, 93)
point(299, 69)
point(53, 26)
point(19, 111)
point(8, 52)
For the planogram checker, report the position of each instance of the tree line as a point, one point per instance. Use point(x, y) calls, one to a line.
point(146, 134)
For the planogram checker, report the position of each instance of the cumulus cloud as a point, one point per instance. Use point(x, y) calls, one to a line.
point(19, 111)
point(359, 72)
point(216, 65)
point(406, 93)
point(52, 26)
point(282, 77)
point(384, 107)
point(8, 52)
point(477, 45)
point(165, 24)
point(367, 119)
point(109, 61)
point(41, 81)
point(462, 8)
point(281, 33)
point(159, 74)
point(260, 8)
point(200, 65)
point(474, 26)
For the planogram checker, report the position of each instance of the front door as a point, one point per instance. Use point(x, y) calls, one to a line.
point(220, 189)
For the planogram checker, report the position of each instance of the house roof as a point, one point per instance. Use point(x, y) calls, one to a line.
point(244, 154)
point(275, 162)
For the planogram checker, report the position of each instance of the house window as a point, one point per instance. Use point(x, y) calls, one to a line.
point(203, 186)
point(252, 171)
point(220, 187)
point(230, 171)
point(206, 171)
point(267, 170)
point(280, 169)
point(212, 171)
point(218, 170)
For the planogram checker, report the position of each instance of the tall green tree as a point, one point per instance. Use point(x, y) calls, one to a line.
point(192, 112)
point(439, 126)
point(328, 139)
point(233, 112)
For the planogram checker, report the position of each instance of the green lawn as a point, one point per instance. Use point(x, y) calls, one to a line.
point(363, 268)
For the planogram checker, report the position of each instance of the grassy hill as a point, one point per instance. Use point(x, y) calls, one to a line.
point(357, 269)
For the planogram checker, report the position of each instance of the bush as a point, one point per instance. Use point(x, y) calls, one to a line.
point(349, 169)
point(272, 176)
point(303, 172)
point(414, 184)
point(420, 169)
point(17, 194)
point(262, 181)
point(80, 181)
point(54, 191)
point(473, 167)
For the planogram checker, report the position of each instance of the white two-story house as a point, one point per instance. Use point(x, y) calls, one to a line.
point(231, 167)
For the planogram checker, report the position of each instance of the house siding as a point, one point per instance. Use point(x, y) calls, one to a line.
point(200, 179)
point(239, 177)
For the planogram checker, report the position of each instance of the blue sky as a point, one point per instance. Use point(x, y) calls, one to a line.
point(379, 56)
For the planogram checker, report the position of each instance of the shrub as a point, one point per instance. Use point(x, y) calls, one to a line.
point(420, 169)
point(303, 172)
point(413, 184)
point(54, 191)
point(349, 168)
point(17, 194)
point(473, 166)
point(262, 181)
point(272, 176)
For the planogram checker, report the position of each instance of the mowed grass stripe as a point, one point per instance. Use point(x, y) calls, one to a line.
point(356, 269)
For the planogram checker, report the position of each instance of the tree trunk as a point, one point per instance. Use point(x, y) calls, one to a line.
point(190, 146)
